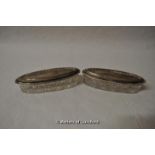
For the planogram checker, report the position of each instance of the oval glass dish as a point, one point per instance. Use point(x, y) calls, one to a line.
point(49, 80)
point(113, 80)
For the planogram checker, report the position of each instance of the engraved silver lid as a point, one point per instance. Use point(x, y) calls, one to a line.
point(47, 75)
point(113, 75)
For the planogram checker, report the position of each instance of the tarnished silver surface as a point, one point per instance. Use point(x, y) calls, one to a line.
point(47, 75)
point(113, 80)
point(49, 80)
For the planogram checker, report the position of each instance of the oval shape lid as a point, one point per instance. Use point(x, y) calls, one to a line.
point(114, 75)
point(47, 75)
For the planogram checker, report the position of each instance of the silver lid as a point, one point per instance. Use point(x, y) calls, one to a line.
point(113, 75)
point(47, 75)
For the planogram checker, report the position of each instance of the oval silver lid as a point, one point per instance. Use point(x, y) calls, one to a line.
point(113, 75)
point(47, 75)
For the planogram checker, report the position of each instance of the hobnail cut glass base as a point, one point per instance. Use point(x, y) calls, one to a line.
point(49, 86)
point(112, 86)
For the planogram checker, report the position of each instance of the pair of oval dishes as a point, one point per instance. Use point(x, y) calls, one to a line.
point(67, 77)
